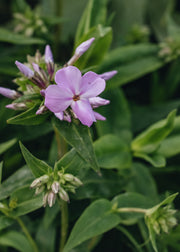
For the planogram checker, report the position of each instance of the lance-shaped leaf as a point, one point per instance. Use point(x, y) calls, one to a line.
point(98, 218)
point(21, 177)
point(16, 240)
point(94, 14)
point(28, 117)
point(37, 166)
point(79, 137)
point(131, 62)
point(6, 145)
point(24, 201)
point(150, 139)
point(5, 222)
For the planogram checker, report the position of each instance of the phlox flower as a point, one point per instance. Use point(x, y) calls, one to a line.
point(75, 91)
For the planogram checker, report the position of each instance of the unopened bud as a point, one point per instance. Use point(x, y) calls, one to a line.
point(82, 48)
point(51, 198)
point(45, 199)
point(24, 69)
point(9, 93)
point(41, 110)
point(39, 190)
point(98, 101)
point(55, 187)
point(63, 195)
point(108, 75)
point(17, 106)
point(39, 181)
point(48, 54)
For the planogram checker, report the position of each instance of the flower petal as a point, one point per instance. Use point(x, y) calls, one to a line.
point(92, 89)
point(57, 99)
point(99, 116)
point(84, 112)
point(69, 77)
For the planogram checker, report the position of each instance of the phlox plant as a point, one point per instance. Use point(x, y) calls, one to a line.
point(88, 160)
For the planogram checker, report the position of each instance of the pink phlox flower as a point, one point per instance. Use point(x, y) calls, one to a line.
point(74, 90)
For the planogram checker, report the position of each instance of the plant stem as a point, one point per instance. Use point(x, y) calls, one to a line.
point(64, 224)
point(28, 235)
point(131, 209)
point(130, 237)
point(61, 144)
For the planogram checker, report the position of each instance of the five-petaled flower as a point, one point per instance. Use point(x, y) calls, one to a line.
point(75, 91)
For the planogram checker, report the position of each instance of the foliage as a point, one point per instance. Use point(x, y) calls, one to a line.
point(113, 186)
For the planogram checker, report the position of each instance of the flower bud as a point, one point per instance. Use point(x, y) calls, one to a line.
point(108, 75)
point(63, 195)
point(9, 93)
point(48, 54)
point(45, 199)
point(55, 187)
point(98, 101)
point(83, 47)
point(17, 106)
point(24, 70)
point(41, 110)
point(51, 198)
point(39, 190)
point(39, 181)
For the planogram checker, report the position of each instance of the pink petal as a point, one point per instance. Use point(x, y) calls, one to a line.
point(84, 112)
point(69, 77)
point(99, 116)
point(57, 99)
point(59, 115)
point(92, 89)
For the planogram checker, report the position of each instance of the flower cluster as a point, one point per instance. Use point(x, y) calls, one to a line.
point(161, 218)
point(55, 185)
point(73, 95)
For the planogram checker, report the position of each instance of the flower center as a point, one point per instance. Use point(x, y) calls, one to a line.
point(76, 97)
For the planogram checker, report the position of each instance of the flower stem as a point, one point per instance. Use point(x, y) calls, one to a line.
point(28, 235)
point(130, 237)
point(64, 224)
point(131, 209)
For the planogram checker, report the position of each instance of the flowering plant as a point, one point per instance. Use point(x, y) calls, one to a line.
point(76, 175)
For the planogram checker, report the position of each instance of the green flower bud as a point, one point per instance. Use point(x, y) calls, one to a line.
point(63, 195)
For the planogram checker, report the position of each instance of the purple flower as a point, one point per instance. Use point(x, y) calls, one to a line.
point(9, 93)
point(24, 70)
point(74, 90)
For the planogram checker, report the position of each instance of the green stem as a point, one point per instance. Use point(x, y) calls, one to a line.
point(28, 235)
point(64, 224)
point(130, 237)
point(131, 209)
point(61, 144)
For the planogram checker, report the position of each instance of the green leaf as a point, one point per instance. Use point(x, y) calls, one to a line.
point(170, 146)
point(98, 49)
point(1, 167)
point(131, 62)
point(10, 37)
point(78, 136)
point(5, 222)
point(28, 206)
point(106, 185)
point(6, 145)
point(156, 160)
point(94, 14)
point(133, 200)
point(142, 182)
point(112, 152)
point(97, 218)
point(37, 166)
point(15, 240)
point(150, 139)
point(21, 177)
point(28, 117)
point(118, 120)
